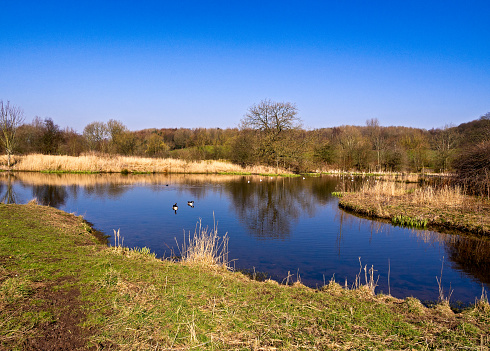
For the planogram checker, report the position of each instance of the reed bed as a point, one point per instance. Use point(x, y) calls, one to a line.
point(428, 195)
point(116, 164)
point(443, 206)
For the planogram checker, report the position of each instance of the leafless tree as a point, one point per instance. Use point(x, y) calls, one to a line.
point(272, 121)
point(272, 117)
point(376, 138)
point(96, 134)
point(11, 117)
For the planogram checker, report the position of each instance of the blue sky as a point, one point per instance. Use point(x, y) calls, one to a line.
point(204, 63)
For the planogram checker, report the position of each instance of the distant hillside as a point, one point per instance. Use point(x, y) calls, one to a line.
point(475, 131)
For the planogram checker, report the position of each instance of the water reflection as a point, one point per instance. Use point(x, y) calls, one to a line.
point(50, 195)
point(472, 256)
point(7, 193)
point(268, 207)
point(289, 213)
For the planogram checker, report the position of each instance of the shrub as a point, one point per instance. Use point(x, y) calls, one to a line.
point(473, 169)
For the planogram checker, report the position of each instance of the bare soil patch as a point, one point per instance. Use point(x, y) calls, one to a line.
point(63, 331)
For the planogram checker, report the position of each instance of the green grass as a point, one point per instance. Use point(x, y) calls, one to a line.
point(53, 272)
point(406, 221)
point(67, 172)
point(235, 173)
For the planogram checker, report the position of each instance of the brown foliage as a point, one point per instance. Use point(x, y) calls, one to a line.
point(473, 168)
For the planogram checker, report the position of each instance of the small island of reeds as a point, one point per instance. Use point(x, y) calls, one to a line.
point(443, 207)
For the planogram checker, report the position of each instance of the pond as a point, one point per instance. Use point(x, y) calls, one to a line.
point(276, 225)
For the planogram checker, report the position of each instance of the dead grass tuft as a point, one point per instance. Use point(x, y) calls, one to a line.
point(482, 303)
point(333, 288)
point(34, 201)
point(444, 309)
point(205, 247)
point(414, 306)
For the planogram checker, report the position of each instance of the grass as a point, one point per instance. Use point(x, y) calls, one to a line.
point(100, 163)
point(420, 207)
point(60, 287)
point(205, 248)
point(405, 221)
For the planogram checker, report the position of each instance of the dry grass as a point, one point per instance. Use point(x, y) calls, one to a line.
point(110, 163)
point(445, 206)
point(205, 247)
point(429, 196)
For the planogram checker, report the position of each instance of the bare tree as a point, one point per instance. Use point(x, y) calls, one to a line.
point(96, 134)
point(272, 121)
point(11, 117)
point(272, 117)
point(376, 138)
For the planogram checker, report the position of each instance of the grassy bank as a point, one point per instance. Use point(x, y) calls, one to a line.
point(127, 164)
point(60, 288)
point(445, 207)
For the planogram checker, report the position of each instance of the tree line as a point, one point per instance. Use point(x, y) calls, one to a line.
point(270, 133)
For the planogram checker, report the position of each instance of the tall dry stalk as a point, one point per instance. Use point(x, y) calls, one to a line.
point(369, 281)
point(442, 297)
point(118, 239)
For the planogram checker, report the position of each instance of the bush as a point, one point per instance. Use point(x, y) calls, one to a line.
point(472, 168)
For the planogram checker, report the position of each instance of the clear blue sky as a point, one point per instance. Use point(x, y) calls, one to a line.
point(204, 63)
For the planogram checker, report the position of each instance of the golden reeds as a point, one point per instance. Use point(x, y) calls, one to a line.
point(414, 206)
point(428, 195)
point(116, 164)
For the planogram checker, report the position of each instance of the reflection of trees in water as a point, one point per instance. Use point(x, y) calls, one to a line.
point(269, 207)
point(9, 196)
point(471, 255)
point(322, 189)
point(103, 190)
point(50, 195)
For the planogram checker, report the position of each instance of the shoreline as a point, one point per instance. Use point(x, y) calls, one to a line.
point(58, 283)
point(471, 216)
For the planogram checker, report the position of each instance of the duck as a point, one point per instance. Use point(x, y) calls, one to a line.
point(190, 203)
point(175, 208)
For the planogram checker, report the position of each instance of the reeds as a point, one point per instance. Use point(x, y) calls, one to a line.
point(205, 247)
point(369, 282)
point(482, 303)
point(428, 195)
point(443, 297)
point(116, 164)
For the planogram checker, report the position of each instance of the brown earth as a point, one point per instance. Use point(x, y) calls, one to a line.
point(63, 332)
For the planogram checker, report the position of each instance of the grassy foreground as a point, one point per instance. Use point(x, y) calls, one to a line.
point(61, 289)
point(420, 207)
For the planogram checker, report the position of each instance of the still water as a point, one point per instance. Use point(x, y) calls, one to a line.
point(275, 225)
